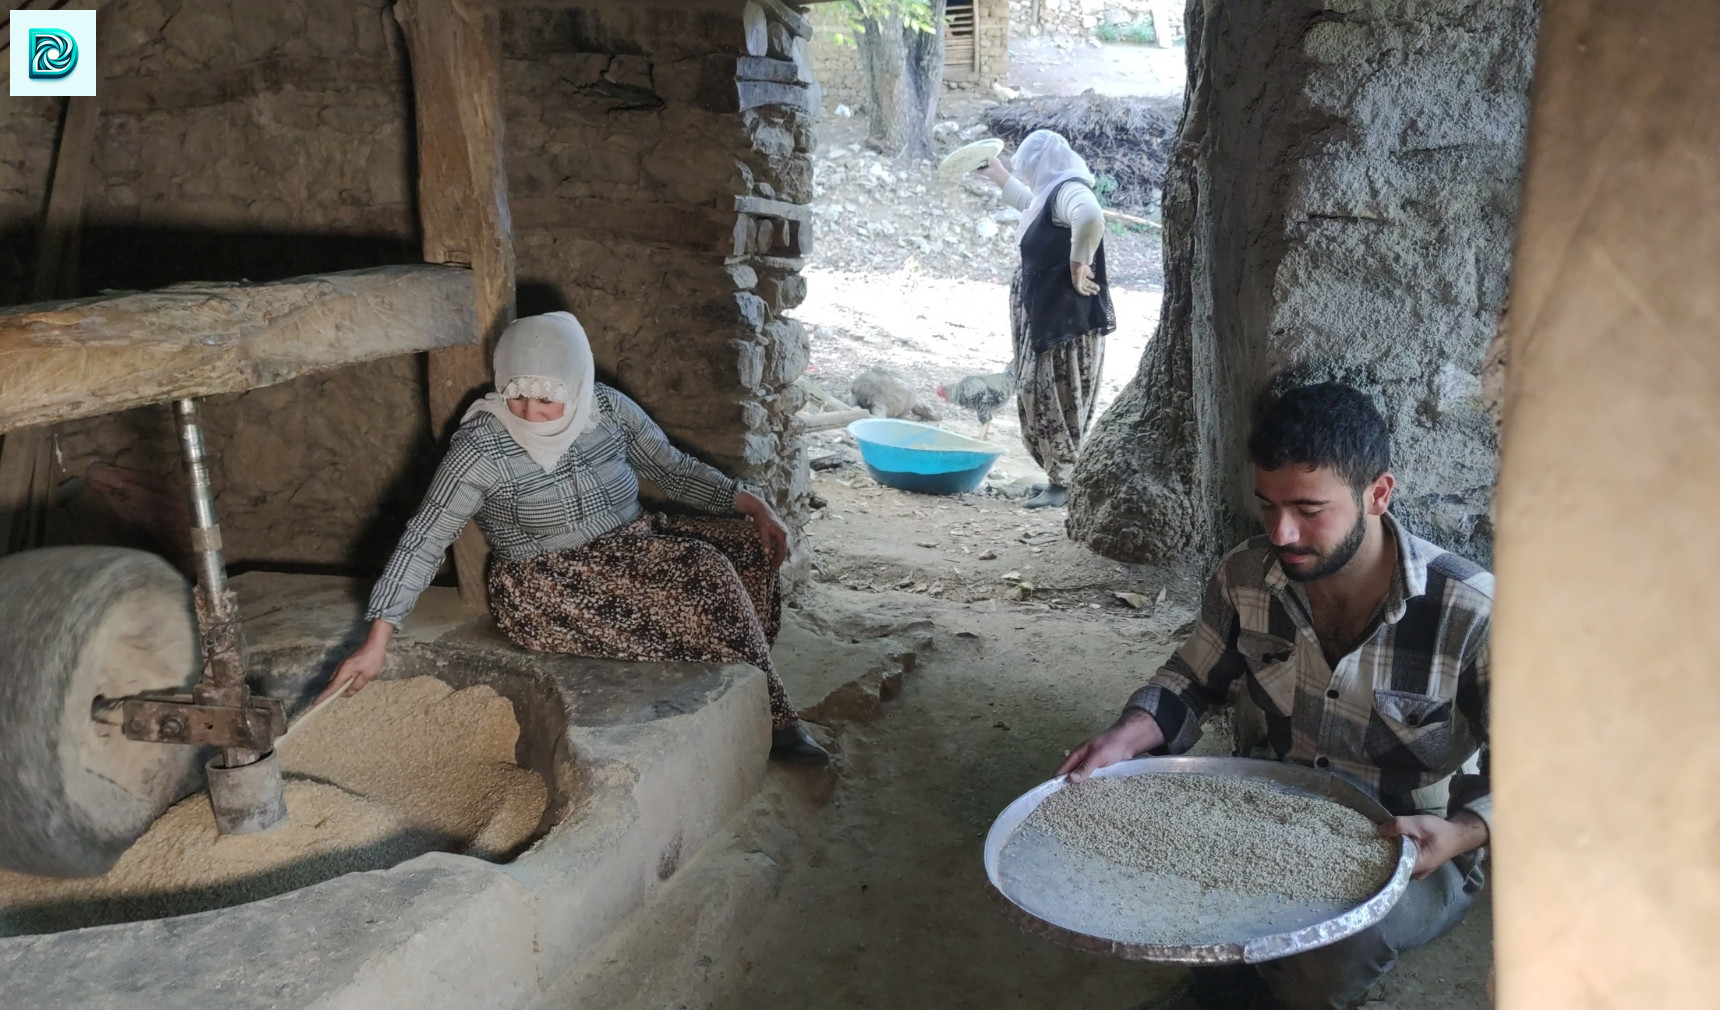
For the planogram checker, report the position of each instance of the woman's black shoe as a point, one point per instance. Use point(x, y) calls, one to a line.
point(793, 745)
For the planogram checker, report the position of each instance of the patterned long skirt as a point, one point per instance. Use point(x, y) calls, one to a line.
point(1055, 393)
point(659, 588)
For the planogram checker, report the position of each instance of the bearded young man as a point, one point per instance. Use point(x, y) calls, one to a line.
point(1344, 642)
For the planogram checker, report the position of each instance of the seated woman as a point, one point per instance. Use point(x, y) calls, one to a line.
point(549, 466)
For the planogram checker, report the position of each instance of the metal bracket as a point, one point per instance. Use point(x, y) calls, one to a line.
point(178, 718)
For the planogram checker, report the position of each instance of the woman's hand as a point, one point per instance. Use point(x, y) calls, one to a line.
point(993, 169)
point(772, 535)
point(363, 665)
point(1081, 275)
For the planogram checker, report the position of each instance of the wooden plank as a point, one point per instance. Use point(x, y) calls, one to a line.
point(773, 208)
point(757, 29)
point(754, 94)
point(455, 51)
point(832, 419)
point(90, 356)
point(786, 16)
point(763, 68)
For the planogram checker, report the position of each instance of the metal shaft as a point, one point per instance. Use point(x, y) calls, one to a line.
point(223, 681)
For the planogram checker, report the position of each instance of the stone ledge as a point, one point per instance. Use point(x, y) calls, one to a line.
point(661, 755)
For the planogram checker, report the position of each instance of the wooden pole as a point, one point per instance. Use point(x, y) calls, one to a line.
point(455, 50)
point(26, 455)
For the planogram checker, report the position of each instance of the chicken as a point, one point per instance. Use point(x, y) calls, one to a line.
point(982, 394)
point(887, 395)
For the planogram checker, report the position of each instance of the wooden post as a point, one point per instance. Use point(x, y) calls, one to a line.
point(26, 455)
point(455, 51)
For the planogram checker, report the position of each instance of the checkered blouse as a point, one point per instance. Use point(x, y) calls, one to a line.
point(524, 511)
point(1404, 714)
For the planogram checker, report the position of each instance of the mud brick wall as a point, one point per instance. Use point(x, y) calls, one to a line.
point(657, 194)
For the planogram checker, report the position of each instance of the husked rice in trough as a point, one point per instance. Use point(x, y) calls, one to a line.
point(402, 768)
point(1223, 834)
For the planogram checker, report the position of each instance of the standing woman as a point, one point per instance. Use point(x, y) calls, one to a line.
point(548, 466)
point(1059, 304)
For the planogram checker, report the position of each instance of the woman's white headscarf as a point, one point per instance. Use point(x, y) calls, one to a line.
point(1044, 161)
point(548, 358)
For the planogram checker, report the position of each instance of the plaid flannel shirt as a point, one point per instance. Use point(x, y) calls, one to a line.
point(1404, 714)
point(524, 511)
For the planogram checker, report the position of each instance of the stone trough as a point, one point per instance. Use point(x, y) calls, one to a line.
point(643, 762)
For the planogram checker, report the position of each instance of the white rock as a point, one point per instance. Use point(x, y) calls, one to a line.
point(1006, 215)
point(987, 228)
point(844, 111)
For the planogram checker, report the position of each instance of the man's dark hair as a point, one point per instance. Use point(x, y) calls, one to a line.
point(1327, 424)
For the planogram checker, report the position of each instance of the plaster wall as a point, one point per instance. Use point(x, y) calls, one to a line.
point(1341, 206)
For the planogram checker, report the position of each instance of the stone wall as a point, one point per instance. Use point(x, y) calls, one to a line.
point(1087, 18)
point(262, 141)
point(835, 59)
point(627, 158)
point(1341, 206)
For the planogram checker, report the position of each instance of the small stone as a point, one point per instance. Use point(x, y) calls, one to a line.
point(988, 555)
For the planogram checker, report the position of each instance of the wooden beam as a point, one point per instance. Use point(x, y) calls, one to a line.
point(787, 16)
point(72, 359)
point(455, 50)
point(756, 94)
point(763, 68)
point(773, 208)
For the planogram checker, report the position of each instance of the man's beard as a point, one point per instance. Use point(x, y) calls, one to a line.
point(1329, 564)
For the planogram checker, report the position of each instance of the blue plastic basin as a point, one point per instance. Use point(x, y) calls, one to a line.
point(919, 457)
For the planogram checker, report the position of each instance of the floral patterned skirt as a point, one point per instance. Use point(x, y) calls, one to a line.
point(1055, 392)
point(659, 588)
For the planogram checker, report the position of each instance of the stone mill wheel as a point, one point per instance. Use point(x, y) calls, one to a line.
point(77, 623)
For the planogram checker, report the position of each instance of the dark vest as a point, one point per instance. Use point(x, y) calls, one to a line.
point(1056, 313)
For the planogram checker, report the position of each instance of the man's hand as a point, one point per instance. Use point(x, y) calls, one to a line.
point(1081, 275)
point(1437, 839)
point(772, 535)
point(1134, 733)
point(363, 665)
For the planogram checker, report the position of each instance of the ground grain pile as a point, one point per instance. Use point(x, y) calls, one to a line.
point(1225, 834)
point(402, 768)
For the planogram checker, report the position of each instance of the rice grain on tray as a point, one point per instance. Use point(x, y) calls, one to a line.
point(1224, 834)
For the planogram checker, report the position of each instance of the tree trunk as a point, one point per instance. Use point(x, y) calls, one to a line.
point(904, 73)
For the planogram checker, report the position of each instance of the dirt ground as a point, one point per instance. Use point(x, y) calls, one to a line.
point(952, 649)
point(883, 901)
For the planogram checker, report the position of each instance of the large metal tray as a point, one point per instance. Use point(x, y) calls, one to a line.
point(1285, 939)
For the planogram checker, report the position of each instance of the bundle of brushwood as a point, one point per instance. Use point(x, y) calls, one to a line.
point(1125, 140)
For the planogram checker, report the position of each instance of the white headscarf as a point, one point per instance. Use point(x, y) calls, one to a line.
point(1044, 161)
point(548, 358)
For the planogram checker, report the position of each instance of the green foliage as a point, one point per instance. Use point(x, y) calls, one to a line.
point(916, 15)
point(1143, 31)
point(1103, 187)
